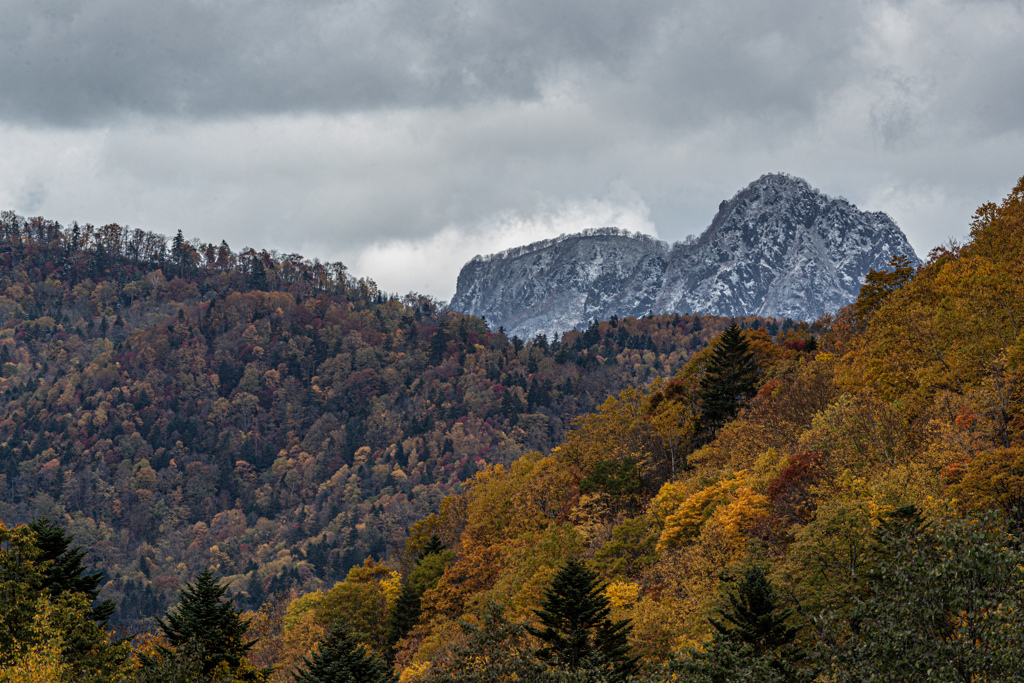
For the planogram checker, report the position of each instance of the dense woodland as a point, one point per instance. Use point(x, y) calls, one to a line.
point(396, 490)
point(180, 406)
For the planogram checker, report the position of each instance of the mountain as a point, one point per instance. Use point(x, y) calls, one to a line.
point(779, 248)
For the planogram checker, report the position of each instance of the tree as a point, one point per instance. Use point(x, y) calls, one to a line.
point(257, 274)
point(751, 643)
point(429, 567)
point(755, 615)
point(944, 604)
point(342, 659)
point(494, 650)
point(65, 573)
point(576, 629)
point(878, 285)
point(729, 379)
point(203, 617)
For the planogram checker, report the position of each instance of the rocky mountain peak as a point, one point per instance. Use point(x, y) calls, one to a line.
point(777, 248)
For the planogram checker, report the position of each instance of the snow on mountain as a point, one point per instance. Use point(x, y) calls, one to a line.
point(778, 248)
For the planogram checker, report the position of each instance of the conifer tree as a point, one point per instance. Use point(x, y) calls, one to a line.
point(65, 573)
point(257, 275)
point(434, 546)
point(754, 615)
point(430, 564)
point(203, 617)
point(577, 632)
point(729, 379)
point(342, 659)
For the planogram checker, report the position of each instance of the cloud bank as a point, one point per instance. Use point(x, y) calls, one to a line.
point(400, 135)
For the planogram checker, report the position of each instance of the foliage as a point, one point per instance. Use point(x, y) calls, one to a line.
point(729, 378)
point(204, 618)
point(46, 631)
point(341, 659)
point(575, 624)
point(944, 605)
point(64, 571)
point(495, 649)
point(177, 405)
point(753, 614)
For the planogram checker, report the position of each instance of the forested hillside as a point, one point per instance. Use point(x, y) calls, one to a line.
point(178, 406)
point(874, 482)
point(774, 507)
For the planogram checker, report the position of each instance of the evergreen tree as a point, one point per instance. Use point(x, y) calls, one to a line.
point(755, 615)
point(577, 632)
point(342, 659)
point(438, 346)
point(65, 573)
point(203, 617)
point(404, 614)
point(754, 645)
point(729, 379)
point(434, 546)
point(257, 275)
point(430, 565)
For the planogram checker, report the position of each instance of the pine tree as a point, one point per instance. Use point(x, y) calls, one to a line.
point(430, 564)
point(404, 614)
point(755, 615)
point(434, 546)
point(65, 573)
point(729, 379)
point(203, 617)
point(257, 275)
point(576, 629)
point(342, 659)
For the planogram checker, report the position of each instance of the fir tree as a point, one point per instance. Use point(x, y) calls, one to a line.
point(577, 632)
point(65, 573)
point(203, 617)
point(430, 565)
point(257, 275)
point(729, 379)
point(434, 546)
point(404, 614)
point(755, 615)
point(342, 659)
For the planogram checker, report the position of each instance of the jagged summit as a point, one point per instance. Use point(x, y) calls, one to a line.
point(778, 248)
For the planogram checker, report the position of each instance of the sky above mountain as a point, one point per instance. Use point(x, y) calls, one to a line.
point(405, 136)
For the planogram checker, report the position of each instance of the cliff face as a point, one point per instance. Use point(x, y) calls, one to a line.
point(778, 248)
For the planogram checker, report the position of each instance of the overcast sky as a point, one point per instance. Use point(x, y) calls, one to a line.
point(405, 136)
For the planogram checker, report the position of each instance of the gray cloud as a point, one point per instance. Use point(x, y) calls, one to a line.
point(71, 62)
point(354, 129)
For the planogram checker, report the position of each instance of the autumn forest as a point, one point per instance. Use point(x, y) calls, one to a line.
point(221, 465)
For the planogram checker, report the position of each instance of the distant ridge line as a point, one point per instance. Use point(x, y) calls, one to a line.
point(516, 252)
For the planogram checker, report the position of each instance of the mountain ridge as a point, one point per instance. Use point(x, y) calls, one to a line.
point(777, 248)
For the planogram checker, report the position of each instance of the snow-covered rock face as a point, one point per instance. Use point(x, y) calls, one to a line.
point(778, 248)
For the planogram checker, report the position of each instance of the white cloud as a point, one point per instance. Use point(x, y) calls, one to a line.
point(432, 264)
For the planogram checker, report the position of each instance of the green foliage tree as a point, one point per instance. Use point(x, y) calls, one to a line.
point(577, 632)
point(496, 649)
point(340, 658)
point(753, 614)
point(404, 614)
point(203, 617)
point(944, 605)
point(429, 567)
point(729, 379)
point(752, 642)
point(63, 571)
